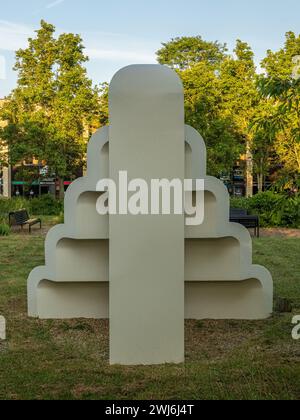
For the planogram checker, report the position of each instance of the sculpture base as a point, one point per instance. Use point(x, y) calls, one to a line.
point(244, 300)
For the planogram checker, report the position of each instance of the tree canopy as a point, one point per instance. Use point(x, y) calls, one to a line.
point(54, 109)
point(51, 112)
point(238, 111)
point(183, 53)
point(219, 94)
point(280, 88)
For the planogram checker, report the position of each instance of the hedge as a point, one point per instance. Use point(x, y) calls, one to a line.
point(46, 205)
point(274, 210)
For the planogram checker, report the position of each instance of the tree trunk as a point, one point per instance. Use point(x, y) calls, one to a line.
point(249, 171)
point(260, 181)
point(6, 182)
point(61, 188)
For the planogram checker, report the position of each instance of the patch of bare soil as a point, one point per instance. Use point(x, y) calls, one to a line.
point(35, 230)
point(216, 340)
point(281, 233)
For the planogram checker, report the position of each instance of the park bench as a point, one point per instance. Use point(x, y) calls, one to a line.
point(242, 217)
point(21, 218)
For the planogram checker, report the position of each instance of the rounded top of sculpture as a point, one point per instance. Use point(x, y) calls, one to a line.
point(146, 79)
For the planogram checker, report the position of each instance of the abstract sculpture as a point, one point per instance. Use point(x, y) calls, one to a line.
point(148, 273)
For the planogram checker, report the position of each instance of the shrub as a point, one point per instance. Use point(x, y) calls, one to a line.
point(61, 218)
point(240, 203)
point(13, 204)
point(4, 229)
point(46, 205)
point(275, 210)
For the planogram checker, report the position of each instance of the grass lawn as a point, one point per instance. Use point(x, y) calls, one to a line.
point(224, 359)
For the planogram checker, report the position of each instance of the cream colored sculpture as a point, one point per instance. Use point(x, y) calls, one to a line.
point(148, 273)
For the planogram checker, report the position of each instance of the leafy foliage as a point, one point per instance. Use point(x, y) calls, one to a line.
point(46, 205)
point(183, 53)
point(275, 210)
point(220, 95)
point(237, 111)
point(4, 229)
point(54, 109)
point(280, 88)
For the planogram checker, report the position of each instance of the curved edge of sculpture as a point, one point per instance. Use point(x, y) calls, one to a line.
point(248, 274)
point(198, 153)
point(97, 170)
point(250, 298)
point(68, 229)
point(164, 80)
point(265, 277)
point(34, 279)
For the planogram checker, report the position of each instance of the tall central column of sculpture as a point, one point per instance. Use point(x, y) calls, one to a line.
point(146, 267)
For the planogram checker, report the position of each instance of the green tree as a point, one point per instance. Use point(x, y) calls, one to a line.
point(51, 113)
point(183, 53)
point(240, 100)
point(263, 142)
point(280, 86)
point(203, 111)
point(220, 95)
point(104, 113)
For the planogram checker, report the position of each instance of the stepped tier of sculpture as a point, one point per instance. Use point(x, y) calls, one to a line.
point(146, 273)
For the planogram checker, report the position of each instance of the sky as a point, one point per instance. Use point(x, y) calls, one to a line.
point(117, 33)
